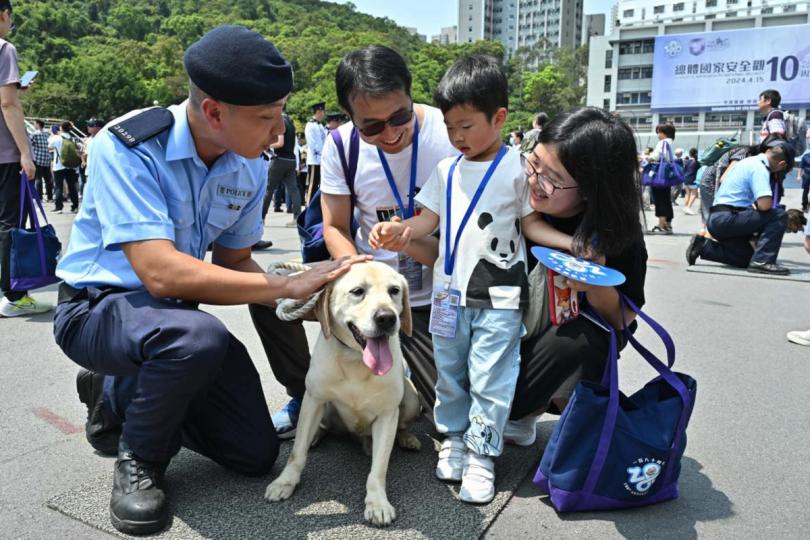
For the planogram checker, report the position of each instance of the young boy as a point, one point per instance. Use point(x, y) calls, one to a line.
point(480, 202)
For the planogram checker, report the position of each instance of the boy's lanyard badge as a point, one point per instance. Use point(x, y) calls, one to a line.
point(408, 267)
point(445, 301)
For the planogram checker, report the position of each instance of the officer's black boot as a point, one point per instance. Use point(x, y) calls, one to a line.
point(138, 504)
point(101, 431)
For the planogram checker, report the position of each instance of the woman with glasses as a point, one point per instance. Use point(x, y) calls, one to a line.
point(583, 180)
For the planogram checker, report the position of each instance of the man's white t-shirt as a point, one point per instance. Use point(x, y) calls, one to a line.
point(490, 261)
point(55, 143)
point(374, 200)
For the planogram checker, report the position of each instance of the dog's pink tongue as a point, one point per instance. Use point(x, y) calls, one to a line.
point(377, 355)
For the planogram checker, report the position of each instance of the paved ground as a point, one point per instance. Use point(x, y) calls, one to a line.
point(745, 473)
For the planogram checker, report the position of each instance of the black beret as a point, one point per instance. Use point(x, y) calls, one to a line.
point(320, 106)
point(95, 122)
point(238, 66)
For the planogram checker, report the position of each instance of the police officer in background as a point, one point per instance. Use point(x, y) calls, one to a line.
point(158, 372)
point(315, 134)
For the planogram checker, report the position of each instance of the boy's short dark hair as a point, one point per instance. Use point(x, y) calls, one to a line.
point(39, 123)
point(67, 127)
point(6, 5)
point(666, 129)
point(374, 71)
point(693, 152)
point(475, 80)
point(773, 96)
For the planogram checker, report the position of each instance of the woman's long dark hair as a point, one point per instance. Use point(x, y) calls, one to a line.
point(599, 151)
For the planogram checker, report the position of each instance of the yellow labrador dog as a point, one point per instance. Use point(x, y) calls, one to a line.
point(356, 381)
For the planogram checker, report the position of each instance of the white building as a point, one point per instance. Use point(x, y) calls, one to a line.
point(620, 66)
point(447, 36)
point(415, 31)
point(594, 25)
point(521, 23)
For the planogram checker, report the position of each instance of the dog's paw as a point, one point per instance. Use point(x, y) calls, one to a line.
point(380, 513)
point(408, 441)
point(279, 490)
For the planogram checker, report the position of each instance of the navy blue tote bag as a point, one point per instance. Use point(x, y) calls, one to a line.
point(310, 222)
point(611, 451)
point(34, 250)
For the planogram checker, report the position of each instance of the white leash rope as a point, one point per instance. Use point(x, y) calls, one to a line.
point(288, 309)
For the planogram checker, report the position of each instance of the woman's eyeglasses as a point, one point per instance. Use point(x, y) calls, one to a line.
point(399, 118)
point(545, 182)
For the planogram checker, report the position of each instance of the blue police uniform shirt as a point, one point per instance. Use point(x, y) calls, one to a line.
point(160, 189)
point(749, 180)
point(805, 166)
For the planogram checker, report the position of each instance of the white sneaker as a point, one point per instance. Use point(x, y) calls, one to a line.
point(799, 337)
point(24, 306)
point(478, 479)
point(451, 459)
point(689, 212)
point(521, 432)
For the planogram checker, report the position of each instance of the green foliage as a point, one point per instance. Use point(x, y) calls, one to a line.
point(102, 58)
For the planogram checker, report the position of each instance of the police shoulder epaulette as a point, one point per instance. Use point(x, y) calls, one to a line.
point(143, 126)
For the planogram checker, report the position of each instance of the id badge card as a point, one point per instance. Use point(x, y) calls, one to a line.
point(563, 302)
point(412, 270)
point(444, 311)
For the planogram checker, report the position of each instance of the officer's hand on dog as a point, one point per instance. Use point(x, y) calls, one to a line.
point(302, 286)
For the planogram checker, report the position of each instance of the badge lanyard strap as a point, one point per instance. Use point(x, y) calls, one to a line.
point(450, 255)
point(406, 212)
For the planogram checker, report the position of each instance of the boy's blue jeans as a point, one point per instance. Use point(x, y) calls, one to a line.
point(477, 371)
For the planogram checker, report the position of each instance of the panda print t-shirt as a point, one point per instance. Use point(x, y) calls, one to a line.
point(490, 261)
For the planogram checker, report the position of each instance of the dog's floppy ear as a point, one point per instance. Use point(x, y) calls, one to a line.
point(323, 313)
point(405, 320)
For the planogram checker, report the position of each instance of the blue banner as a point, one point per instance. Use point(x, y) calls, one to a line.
point(727, 70)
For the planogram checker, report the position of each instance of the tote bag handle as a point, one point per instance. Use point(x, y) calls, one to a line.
point(27, 206)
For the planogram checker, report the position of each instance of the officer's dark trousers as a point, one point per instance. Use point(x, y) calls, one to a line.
point(177, 376)
point(733, 231)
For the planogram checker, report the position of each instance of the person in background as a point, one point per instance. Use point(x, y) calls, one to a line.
point(802, 337)
point(516, 139)
point(42, 159)
point(316, 137)
point(690, 170)
point(15, 157)
point(661, 196)
point(774, 121)
point(744, 206)
point(94, 125)
point(62, 175)
point(804, 177)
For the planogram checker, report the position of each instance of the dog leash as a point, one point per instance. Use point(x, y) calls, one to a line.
point(288, 309)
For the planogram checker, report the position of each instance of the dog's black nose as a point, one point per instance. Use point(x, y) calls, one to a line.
point(385, 319)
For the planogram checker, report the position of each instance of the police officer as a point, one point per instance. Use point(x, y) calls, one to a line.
point(315, 134)
point(744, 206)
point(166, 183)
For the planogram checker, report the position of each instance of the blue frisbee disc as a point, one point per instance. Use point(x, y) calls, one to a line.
point(578, 269)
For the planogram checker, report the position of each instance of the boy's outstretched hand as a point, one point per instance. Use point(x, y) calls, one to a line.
point(391, 235)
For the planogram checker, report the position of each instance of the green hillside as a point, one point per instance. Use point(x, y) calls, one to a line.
point(104, 57)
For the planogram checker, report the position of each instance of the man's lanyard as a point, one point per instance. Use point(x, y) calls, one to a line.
point(406, 212)
point(450, 255)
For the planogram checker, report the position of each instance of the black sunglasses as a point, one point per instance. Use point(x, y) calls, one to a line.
point(399, 118)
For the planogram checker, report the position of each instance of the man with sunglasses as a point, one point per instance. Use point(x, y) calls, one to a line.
point(15, 155)
point(400, 144)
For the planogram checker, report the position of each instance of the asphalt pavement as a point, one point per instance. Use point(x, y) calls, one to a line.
point(745, 470)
